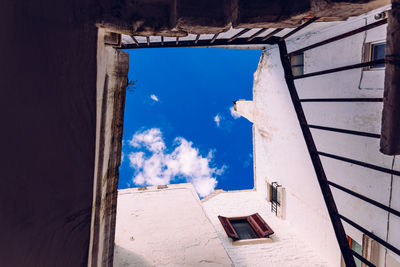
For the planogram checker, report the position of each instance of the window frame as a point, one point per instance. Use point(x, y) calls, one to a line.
point(275, 194)
point(369, 249)
point(369, 55)
point(293, 66)
point(281, 204)
point(256, 222)
point(351, 241)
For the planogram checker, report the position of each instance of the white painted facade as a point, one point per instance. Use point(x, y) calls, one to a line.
point(165, 227)
point(172, 227)
point(280, 152)
point(283, 248)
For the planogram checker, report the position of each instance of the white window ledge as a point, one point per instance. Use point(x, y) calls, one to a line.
point(252, 241)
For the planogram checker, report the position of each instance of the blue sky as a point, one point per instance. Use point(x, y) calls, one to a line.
point(178, 124)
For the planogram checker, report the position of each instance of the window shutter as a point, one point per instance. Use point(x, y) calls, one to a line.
point(259, 225)
point(370, 250)
point(230, 231)
point(269, 192)
point(367, 54)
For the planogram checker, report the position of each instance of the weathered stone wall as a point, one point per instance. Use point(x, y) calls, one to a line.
point(390, 143)
point(112, 78)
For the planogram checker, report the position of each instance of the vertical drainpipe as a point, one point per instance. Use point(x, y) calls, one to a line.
point(390, 133)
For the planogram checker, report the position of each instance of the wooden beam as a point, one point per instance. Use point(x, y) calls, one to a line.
point(134, 39)
point(344, 131)
point(390, 130)
point(257, 34)
point(205, 42)
point(302, 26)
point(269, 35)
point(360, 163)
point(238, 34)
point(197, 39)
point(348, 67)
point(366, 199)
point(214, 38)
point(341, 36)
point(335, 99)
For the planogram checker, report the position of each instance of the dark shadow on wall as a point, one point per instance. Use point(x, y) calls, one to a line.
point(48, 107)
point(124, 257)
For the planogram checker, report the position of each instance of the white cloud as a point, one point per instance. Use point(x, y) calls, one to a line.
point(136, 160)
point(234, 114)
point(154, 97)
point(221, 170)
point(211, 153)
point(184, 162)
point(218, 119)
point(150, 139)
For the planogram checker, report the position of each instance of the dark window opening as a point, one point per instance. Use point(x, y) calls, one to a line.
point(248, 227)
point(374, 51)
point(243, 229)
point(275, 197)
point(378, 52)
point(297, 63)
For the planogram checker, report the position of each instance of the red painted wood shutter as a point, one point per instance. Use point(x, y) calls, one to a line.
point(259, 225)
point(230, 231)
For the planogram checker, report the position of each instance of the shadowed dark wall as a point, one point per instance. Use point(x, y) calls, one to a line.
point(47, 110)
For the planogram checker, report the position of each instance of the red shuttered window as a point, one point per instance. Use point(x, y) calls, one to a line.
point(230, 231)
point(246, 227)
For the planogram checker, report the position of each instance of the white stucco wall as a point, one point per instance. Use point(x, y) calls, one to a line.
point(165, 227)
point(284, 248)
point(356, 116)
point(281, 154)
point(170, 226)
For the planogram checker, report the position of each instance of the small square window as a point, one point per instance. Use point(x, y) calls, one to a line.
point(274, 193)
point(247, 227)
point(378, 52)
point(374, 51)
point(297, 63)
